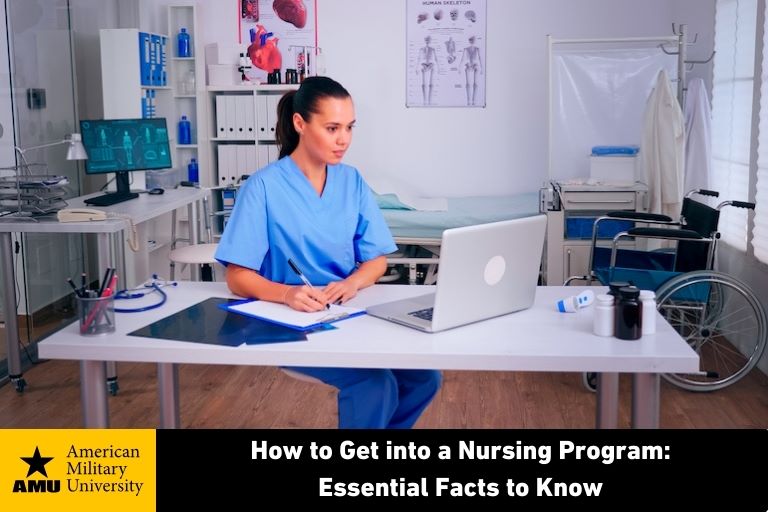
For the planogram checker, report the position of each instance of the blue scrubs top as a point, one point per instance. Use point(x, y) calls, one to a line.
point(278, 215)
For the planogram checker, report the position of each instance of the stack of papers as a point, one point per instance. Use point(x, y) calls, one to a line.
point(283, 315)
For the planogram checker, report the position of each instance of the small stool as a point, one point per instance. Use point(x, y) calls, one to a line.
point(199, 254)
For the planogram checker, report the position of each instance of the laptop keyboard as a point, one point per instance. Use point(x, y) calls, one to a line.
point(424, 314)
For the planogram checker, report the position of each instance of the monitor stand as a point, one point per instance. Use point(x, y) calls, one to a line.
point(123, 193)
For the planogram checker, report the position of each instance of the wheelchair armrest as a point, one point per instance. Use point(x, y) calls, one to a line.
point(670, 234)
point(640, 216)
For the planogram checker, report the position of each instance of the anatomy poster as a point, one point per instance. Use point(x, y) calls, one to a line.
point(279, 34)
point(445, 53)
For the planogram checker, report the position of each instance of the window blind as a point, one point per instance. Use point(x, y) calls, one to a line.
point(760, 233)
point(732, 97)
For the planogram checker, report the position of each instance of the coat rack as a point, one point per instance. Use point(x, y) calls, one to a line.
point(683, 64)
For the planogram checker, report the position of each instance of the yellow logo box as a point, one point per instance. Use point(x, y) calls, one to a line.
point(78, 470)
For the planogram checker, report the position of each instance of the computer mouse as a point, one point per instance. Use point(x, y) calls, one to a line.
point(156, 191)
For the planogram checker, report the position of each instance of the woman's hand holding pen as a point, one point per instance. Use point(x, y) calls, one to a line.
point(339, 292)
point(306, 298)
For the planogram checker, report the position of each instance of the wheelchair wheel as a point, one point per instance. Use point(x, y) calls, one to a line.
point(721, 319)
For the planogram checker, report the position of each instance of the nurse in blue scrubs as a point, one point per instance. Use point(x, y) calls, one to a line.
point(318, 212)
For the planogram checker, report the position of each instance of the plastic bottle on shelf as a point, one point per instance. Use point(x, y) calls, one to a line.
point(193, 173)
point(184, 46)
point(185, 131)
point(190, 83)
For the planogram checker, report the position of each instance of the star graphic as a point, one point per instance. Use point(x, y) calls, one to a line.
point(37, 463)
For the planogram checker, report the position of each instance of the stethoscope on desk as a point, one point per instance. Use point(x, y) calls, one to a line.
point(155, 285)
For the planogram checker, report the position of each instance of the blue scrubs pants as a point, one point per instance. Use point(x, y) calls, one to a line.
point(379, 398)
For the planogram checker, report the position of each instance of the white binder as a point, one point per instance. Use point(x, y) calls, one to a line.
point(233, 174)
point(262, 120)
point(231, 117)
point(221, 117)
point(252, 159)
point(273, 152)
point(262, 155)
point(222, 165)
point(240, 117)
point(250, 117)
point(272, 101)
point(242, 160)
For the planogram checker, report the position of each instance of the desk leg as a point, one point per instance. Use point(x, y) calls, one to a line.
point(168, 388)
point(194, 238)
point(9, 310)
point(645, 400)
point(607, 400)
point(107, 257)
point(93, 394)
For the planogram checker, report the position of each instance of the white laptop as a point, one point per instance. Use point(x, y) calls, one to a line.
point(486, 270)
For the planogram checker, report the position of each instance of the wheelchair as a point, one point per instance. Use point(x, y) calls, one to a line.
point(718, 315)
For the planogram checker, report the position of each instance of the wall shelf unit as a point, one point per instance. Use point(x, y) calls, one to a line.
point(240, 134)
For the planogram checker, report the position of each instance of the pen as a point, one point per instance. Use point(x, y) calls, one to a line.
point(302, 277)
point(72, 284)
point(105, 281)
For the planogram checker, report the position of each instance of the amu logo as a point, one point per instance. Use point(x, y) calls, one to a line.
point(37, 465)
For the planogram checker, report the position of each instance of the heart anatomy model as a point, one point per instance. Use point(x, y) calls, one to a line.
point(263, 50)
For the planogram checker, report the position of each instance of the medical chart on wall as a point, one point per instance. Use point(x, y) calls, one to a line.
point(445, 53)
point(279, 34)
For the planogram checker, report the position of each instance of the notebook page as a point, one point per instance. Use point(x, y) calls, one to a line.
point(283, 314)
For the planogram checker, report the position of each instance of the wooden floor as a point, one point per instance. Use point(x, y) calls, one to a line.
point(264, 397)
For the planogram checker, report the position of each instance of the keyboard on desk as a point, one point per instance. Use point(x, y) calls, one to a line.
point(424, 314)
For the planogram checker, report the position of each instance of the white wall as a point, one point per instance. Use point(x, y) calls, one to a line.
point(501, 149)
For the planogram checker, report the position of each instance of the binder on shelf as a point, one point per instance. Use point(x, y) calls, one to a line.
point(221, 117)
point(232, 173)
point(144, 58)
point(155, 59)
point(281, 314)
point(272, 101)
point(262, 151)
point(163, 61)
point(262, 128)
point(273, 152)
point(240, 116)
point(242, 161)
point(231, 115)
point(250, 117)
point(252, 159)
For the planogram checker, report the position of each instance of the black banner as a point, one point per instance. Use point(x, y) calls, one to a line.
point(525, 469)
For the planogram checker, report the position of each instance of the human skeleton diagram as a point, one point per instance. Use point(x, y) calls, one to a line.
point(450, 48)
point(427, 65)
point(473, 66)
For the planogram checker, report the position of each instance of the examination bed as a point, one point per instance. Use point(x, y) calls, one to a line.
point(418, 233)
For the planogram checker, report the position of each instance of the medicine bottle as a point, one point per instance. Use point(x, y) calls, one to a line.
point(615, 286)
point(183, 47)
point(190, 84)
point(603, 316)
point(193, 173)
point(628, 314)
point(648, 303)
point(185, 131)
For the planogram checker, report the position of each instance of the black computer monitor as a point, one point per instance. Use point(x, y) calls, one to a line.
point(122, 146)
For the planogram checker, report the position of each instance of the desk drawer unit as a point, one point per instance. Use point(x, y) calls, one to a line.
point(599, 201)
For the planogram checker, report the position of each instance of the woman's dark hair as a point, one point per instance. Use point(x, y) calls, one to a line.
point(303, 102)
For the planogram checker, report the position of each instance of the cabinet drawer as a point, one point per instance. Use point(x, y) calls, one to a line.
point(605, 201)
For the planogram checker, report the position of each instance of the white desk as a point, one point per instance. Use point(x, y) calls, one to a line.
point(538, 339)
point(141, 209)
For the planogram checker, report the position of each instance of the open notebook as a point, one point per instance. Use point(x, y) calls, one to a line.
point(283, 315)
